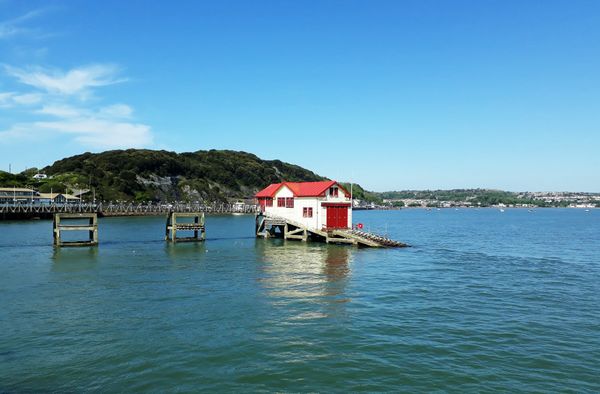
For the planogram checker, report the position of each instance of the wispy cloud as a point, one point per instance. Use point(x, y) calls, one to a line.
point(57, 107)
point(102, 133)
point(16, 26)
point(76, 81)
point(13, 99)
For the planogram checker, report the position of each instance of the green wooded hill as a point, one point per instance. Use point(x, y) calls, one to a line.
point(143, 175)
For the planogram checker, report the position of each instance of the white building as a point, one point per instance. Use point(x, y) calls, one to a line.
point(40, 176)
point(317, 205)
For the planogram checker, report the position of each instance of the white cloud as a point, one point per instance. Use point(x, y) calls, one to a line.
point(61, 111)
point(13, 27)
point(120, 111)
point(102, 133)
point(12, 99)
point(28, 98)
point(6, 98)
point(89, 132)
point(75, 81)
point(56, 109)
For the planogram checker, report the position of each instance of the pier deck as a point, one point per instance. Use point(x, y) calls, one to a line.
point(278, 227)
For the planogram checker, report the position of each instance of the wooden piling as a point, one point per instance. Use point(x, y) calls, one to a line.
point(91, 227)
point(197, 226)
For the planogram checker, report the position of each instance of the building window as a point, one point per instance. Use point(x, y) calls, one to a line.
point(289, 202)
point(333, 191)
point(307, 212)
point(265, 202)
point(281, 202)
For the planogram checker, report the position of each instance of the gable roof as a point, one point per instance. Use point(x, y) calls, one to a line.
point(16, 189)
point(300, 189)
point(269, 191)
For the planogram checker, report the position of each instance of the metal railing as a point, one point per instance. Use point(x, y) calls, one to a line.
point(127, 208)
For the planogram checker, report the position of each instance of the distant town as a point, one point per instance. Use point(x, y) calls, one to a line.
point(474, 198)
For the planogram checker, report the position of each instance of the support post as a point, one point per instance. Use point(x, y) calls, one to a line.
point(91, 227)
point(196, 225)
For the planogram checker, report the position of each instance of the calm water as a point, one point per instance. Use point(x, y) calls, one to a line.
point(484, 301)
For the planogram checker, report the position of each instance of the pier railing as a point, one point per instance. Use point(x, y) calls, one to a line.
point(127, 208)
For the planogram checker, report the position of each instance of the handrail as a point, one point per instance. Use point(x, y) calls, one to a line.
point(116, 208)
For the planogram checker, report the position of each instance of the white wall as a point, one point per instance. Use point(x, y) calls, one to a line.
point(295, 213)
point(319, 213)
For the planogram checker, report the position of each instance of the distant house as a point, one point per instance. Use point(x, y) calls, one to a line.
point(46, 198)
point(56, 198)
point(318, 205)
point(40, 176)
point(64, 198)
point(16, 195)
point(21, 195)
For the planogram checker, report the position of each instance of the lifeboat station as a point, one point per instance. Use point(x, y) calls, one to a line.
point(319, 211)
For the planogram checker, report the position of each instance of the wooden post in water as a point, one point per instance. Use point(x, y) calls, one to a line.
point(91, 227)
point(197, 226)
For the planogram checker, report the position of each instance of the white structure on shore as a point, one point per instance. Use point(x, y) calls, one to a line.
point(318, 205)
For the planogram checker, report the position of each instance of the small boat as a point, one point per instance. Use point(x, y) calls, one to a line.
point(587, 210)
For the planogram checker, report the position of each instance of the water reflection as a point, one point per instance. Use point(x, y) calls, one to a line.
point(74, 259)
point(304, 272)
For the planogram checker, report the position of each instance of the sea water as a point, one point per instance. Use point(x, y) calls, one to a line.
point(483, 301)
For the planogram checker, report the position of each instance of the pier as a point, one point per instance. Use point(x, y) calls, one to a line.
point(46, 211)
point(196, 225)
point(269, 226)
point(91, 227)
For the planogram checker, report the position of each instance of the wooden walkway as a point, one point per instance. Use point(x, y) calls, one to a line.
point(121, 209)
point(278, 227)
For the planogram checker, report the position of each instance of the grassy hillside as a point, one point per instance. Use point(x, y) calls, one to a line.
point(137, 174)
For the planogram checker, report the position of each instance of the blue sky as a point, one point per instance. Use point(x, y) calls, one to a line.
point(391, 94)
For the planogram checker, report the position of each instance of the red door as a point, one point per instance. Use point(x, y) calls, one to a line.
point(337, 216)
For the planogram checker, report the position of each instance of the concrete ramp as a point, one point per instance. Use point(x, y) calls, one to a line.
point(369, 239)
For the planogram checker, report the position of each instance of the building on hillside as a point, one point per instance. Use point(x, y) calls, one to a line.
point(64, 198)
point(318, 205)
point(40, 176)
point(56, 198)
point(21, 195)
point(46, 198)
point(16, 195)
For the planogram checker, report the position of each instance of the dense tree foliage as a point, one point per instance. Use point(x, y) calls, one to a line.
point(139, 174)
point(17, 180)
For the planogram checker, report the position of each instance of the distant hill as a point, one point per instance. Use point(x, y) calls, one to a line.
point(142, 175)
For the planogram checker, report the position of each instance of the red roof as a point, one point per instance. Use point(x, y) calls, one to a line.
point(300, 189)
point(268, 191)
